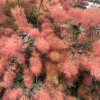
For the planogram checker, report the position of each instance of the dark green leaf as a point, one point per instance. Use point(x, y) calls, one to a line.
point(51, 19)
point(15, 84)
point(19, 77)
point(49, 0)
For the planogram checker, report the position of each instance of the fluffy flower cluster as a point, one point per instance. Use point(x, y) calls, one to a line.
point(21, 58)
point(42, 44)
point(94, 71)
point(88, 17)
point(70, 98)
point(14, 94)
point(58, 94)
point(96, 48)
point(59, 15)
point(11, 45)
point(46, 25)
point(50, 65)
point(2, 3)
point(8, 79)
point(35, 63)
point(69, 68)
point(42, 95)
point(51, 52)
point(8, 32)
point(55, 43)
point(2, 67)
point(34, 33)
point(46, 32)
point(87, 80)
point(20, 18)
point(55, 56)
point(28, 78)
point(2, 18)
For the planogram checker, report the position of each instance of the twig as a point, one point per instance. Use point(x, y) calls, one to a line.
point(39, 12)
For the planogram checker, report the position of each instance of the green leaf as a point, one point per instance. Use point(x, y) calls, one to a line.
point(81, 28)
point(27, 91)
point(24, 46)
point(75, 31)
point(22, 84)
point(65, 26)
point(80, 49)
point(51, 19)
point(70, 32)
point(26, 39)
point(19, 77)
point(49, 0)
point(15, 84)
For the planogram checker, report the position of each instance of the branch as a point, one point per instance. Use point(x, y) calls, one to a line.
point(39, 12)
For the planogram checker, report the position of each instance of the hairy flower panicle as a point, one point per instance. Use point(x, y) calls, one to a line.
point(64, 33)
point(2, 18)
point(41, 18)
point(2, 3)
point(8, 32)
point(28, 78)
point(34, 33)
point(8, 79)
point(46, 25)
point(42, 45)
point(94, 67)
point(69, 68)
point(61, 1)
point(13, 94)
point(36, 64)
point(47, 15)
point(88, 17)
point(21, 58)
point(96, 48)
point(42, 95)
point(82, 60)
point(59, 14)
point(3, 41)
point(54, 53)
point(50, 65)
point(54, 2)
point(56, 56)
point(70, 98)
point(83, 90)
point(5, 60)
point(24, 97)
point(12, 45)
point(2, 68)
point(83, 38)
point(20, 18)
point(87, 80)
point(46, 32)
point(55, 42)
point(58, 95)
point(19, 11)
point(76, 15)
point(67, 5)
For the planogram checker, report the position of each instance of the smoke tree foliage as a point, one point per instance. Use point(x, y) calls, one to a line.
point(49, 50)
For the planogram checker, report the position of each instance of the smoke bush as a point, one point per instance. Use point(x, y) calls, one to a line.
point(49, 50)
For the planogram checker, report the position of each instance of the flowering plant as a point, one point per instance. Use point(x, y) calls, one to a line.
point(49, 50)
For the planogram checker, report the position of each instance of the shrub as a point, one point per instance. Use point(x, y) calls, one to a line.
point(49, 51)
